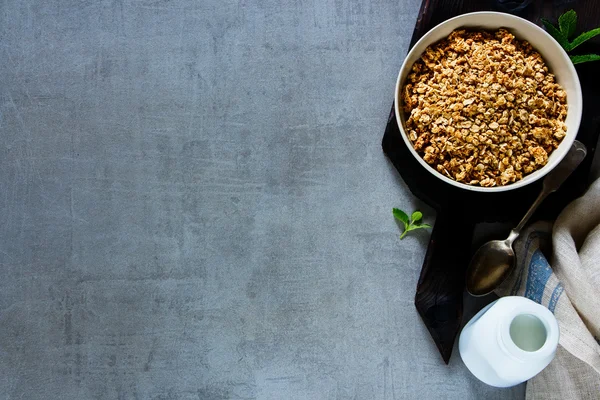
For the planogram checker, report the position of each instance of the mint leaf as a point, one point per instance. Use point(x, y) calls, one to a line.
point(409, 226)
point(412, 227)
point(416, 216)
point(415, 227)
point(584, 58)
point(557, 35)
point(401, 216)
point(584, 37)
point(567, 23)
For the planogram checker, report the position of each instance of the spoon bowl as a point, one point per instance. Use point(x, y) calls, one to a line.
point(491, 265)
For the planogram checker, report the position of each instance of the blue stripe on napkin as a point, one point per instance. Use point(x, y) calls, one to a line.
point(522, 271)
point(539, 272)
point(555, 296)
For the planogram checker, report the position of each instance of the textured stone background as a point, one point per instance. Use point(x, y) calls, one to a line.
point(194, 204)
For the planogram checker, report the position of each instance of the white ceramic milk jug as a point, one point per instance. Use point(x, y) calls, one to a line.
point(509, 341)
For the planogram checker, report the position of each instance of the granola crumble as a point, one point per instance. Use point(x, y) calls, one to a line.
point(483, 109)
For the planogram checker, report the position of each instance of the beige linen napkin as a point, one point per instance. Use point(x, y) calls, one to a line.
point(570, 287)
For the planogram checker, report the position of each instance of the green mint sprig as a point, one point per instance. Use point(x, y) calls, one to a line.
point(565, 31)
point(410, 224)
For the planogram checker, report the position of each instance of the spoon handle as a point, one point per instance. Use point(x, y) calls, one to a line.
point(553, 180)
point(558, 175)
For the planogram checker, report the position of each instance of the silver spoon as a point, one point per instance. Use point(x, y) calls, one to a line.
point(493, 262)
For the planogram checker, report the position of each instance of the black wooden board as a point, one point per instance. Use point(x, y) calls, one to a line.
point(441, 284)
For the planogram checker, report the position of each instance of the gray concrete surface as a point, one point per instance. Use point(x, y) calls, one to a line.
point(194, 204)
